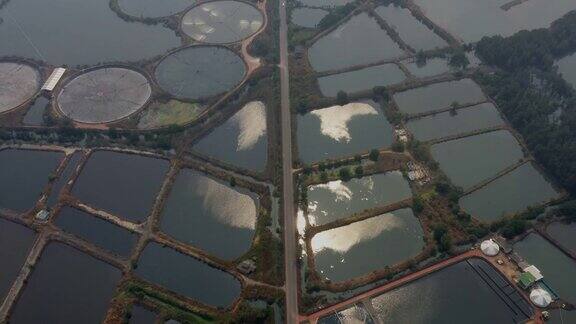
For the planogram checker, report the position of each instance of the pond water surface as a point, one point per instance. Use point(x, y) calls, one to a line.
point(431, 67)
point(187, 276)
point(514, 192)
point(470, 160)
point(558, 269)
point(346, 252)
point(358, 41)
point(153, 8)
point(123, 184)
point(241, 141)
point(66, 286)
point(341, 131)
point(446, 124)
point(565, 234)
point(96, 230)
point(337, 199)
point(24, 175)
point(53, 36)
point(307, 17)
point(567, 67)
point(438, 96)
point(363, 79)
point(69, 169)
point(210, 215)
point(35, 114)
point(15, 243)
point(141, 315)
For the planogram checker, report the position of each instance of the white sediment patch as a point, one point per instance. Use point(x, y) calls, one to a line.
point(251, 121)
point(229, 206)
point(338, 188)
point(334, 120)
point(342, 239)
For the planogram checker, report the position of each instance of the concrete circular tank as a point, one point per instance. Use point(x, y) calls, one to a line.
point(221, 22)
point(18, 84)
point(200, 72)
point(104, 95)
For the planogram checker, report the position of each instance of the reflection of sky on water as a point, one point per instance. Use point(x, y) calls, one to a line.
point(251, 121)
point(386, 305)
point(334, 120)
point(228, 206)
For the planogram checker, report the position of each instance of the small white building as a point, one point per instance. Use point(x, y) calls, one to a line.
point(53, 80)
point(534, 272)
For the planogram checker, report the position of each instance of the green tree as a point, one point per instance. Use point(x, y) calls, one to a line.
point(342, 98)
point(374, 155)
point(359, 171)
point(345, 174)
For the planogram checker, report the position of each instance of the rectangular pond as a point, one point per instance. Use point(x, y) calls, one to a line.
point(15, 243)
point(187, 276)
point(358, 41)
point(241, 141)
point(558, 269)
point(512, 193)
point(415, 34)
point(471, 20)
point(141, 315)
point(564, 233)
point(97, 231)
point(66, 286)
point(69, 169)
point(438, 96)
point(342, 131)
point(354, 250)
point(470, 160)
point(122, 184)
point(363, 79)
point(567, 67)
point(210, 215)
point(24, 175)
point(335, 200)
point(447, 123)
point(456, 294)
point(431, 67)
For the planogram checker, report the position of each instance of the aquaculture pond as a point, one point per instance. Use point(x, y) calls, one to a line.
point(53, 35)
point(200, 71)
point(122, 184)
point(471, 20)
point(141, 315)
point(350, 251)
point(71, 166)
point(468, 161)
point(66, 286)
point(241, 141)
point(363, 79)
point(210, 215)
point(35, 114)
point(187, 276)
point(451, 123)
point(15, 243)
point(355, 314)
point(431, 67)
point(97, 231)
point(153, 8)
point(410, 30)
point(337, 199)
point(24, 176)
point(557, 268)
point(325, 3)
point(439, 96)
point(560, 316)
point(341, 131)
point(565, 234)
point(358, 41)
point(456, 294)
point(307, 17)
point(514, 192)
point(567, 67)
point(222, 21)
point(18, 82)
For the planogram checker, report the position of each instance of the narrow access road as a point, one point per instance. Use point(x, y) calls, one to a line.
point(290, 266)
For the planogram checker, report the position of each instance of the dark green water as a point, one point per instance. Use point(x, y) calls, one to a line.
point(123, 184)
point(432, 67)
point(141, 315)
point(24, 175)
point(307, 17)
point(364, 79)
point(66, 286)
point(210, 215)
point(35, 114)
point(565, 234)
point(15, 243)
point(346, 252)
point(154, 8)
point(187, 276)
point(97, 231)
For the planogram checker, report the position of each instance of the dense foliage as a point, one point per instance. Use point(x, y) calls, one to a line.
point(533, 96)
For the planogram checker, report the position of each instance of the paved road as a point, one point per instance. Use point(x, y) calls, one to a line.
point(291, 284)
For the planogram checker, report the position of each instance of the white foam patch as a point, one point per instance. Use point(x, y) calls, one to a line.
point(229, 206)
point(338, 188)
point(251, 121)
point(334, 120)
point(342, 239)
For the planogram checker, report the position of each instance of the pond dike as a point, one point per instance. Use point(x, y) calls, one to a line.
point(509, 294)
